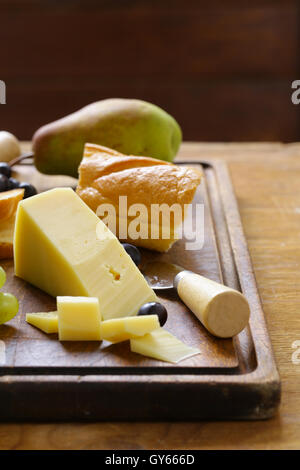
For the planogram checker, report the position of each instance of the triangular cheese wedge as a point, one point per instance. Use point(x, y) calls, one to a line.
point(45, 321)
point(63, 248)
point(163, 346)
point(105, 175)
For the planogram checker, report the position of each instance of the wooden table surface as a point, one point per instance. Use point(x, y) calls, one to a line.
point(266, 178)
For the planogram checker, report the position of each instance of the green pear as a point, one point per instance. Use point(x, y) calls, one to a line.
point(129, 126)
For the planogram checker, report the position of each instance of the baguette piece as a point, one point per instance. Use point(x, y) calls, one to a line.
point(105, 175)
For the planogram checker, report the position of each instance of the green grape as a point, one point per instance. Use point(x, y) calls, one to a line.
point(2, 277)
point(9, 307)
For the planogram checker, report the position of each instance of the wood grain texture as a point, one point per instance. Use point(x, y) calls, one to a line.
point(275, 253)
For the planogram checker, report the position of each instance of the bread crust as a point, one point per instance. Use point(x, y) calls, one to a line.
point(6, 250)
point(9, 201)
point(105, 174)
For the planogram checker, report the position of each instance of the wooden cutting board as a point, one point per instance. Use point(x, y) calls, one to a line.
point(44, 379)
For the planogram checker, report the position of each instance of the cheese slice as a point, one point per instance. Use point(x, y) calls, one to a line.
point(78, 319)
point(62, 247)
point(45, 321)
point(122, 329)
point(162, 345)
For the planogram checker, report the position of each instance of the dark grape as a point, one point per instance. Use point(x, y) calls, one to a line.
point(29, 190)
point(155, 308)
point(5, 169)
point(133, 252)
point(13, 183)
point(3, 183)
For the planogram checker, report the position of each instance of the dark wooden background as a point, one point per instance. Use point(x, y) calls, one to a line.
point(222, 68)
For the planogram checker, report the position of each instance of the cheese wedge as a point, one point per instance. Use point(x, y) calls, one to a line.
point(78, 319)
point(63, 248)
point(162, 345)
point(45, 321)
point(122, 329)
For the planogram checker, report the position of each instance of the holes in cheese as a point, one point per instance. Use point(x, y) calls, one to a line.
point(162, 345)
point(45, 321)
point(78, 319)
point(116, 276)
point(123, 329)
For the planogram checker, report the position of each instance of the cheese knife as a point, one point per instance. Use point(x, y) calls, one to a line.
point(223, 311)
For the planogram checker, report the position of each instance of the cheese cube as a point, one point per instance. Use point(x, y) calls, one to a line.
point(78, 319)
point(122, 329)
point(62, 247)
point(45, 321)
point(162, 345)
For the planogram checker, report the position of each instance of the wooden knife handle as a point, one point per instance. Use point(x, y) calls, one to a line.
point(223, 311)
